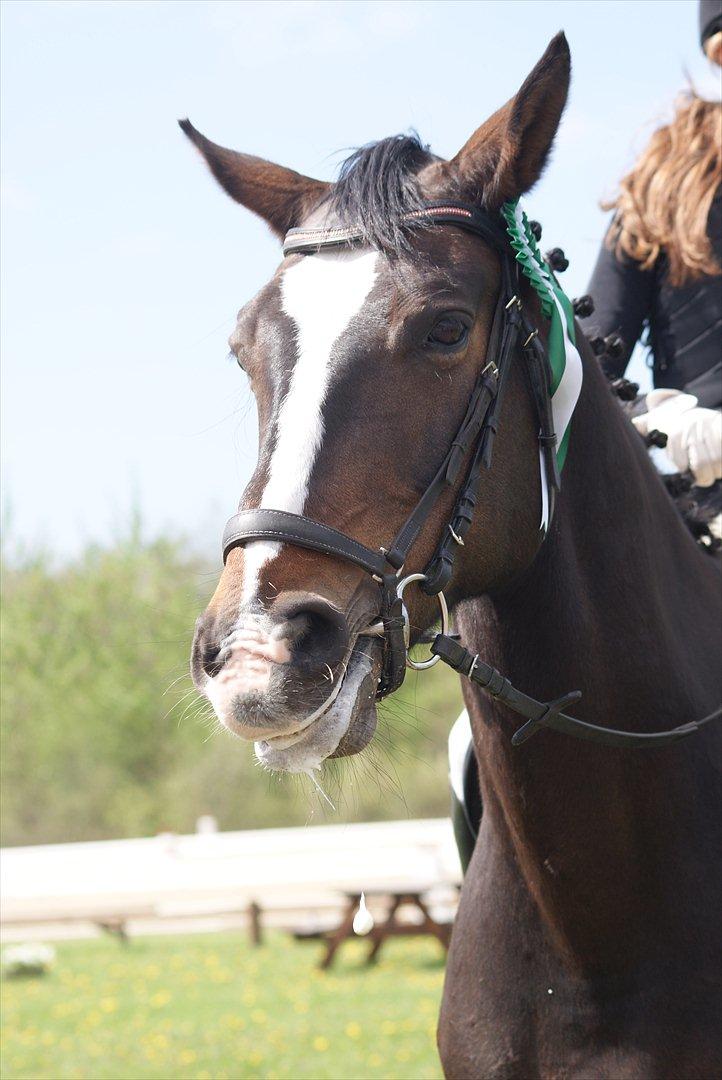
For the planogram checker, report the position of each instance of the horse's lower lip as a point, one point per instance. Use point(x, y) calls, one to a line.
point(314, 741)
point(289, 738)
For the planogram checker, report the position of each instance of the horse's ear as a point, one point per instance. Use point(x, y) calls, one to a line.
point(506, 156)
point(280, 196)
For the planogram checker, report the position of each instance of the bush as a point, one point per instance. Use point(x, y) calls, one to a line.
point(104, 736)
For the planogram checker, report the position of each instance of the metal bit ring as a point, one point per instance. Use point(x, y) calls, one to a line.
point(421, 665)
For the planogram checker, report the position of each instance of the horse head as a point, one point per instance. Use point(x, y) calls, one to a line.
point(362, 360)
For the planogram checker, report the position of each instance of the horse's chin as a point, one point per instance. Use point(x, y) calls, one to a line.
point(345, 728)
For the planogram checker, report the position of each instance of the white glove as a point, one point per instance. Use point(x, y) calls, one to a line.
point(694, 435)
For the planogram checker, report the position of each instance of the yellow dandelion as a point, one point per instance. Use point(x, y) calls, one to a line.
point(221, 976)
point(389, 1027)
point(321, 1043)
point(353, 1030)
point(159, 999)
point(235, 1023)
point(187, 1056)
point(258, 1016)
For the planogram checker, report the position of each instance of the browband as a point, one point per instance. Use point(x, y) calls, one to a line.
point(308, 241)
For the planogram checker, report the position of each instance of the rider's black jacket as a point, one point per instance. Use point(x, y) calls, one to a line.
point(684, 323)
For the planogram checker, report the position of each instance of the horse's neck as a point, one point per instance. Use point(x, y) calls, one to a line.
point(620, 605)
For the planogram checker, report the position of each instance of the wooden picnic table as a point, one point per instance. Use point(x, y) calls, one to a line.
point(389, 925)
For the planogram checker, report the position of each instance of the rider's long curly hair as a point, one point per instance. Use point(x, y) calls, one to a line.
point(664, 202)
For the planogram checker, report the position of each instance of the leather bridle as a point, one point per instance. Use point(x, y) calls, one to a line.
point(475, 437)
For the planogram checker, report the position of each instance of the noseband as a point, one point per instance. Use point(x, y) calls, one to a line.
point(475, 437)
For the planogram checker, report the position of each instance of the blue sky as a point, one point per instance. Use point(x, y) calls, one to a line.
point(123, 265)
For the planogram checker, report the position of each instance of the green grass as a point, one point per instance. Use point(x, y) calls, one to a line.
point(212, 1006)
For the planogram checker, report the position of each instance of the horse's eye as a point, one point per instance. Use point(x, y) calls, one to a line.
point(449, 331)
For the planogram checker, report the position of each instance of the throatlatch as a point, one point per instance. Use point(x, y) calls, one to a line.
point(555, 379)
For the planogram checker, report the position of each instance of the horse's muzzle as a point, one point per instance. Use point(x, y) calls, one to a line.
point(265, 671)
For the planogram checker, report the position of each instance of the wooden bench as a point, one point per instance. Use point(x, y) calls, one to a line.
point(390, 925)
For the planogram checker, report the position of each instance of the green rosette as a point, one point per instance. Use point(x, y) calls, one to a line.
point(555, 304)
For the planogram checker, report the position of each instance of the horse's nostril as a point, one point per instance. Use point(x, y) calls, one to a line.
point(210, 659)
point(292, 631)
point(316, 631)
point(207, 658)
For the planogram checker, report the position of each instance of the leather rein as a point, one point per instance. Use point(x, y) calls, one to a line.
point(475, 437)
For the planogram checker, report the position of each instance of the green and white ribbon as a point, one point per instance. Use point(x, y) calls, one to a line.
point(564, 358)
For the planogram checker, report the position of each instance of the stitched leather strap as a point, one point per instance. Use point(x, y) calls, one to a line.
point(539, 714)
point(307, 241)
point(537, 370)
point(502, 340)
point(278, 525)
point(393, 668)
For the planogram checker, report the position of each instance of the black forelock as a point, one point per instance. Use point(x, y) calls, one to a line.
point(377, 185)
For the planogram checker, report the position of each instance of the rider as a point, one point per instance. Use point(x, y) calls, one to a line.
point(660, 266)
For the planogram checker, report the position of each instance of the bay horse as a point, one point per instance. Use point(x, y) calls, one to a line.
point(587, 941)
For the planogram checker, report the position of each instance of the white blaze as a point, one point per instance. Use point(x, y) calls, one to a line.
point(321, 293)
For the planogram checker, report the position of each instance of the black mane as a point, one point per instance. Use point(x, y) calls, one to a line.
point(377, 185)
